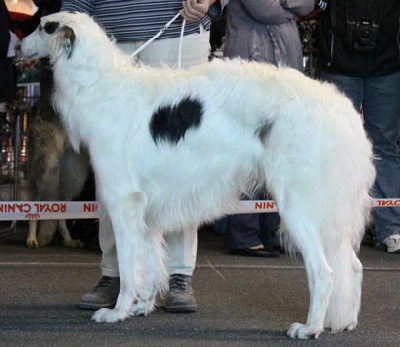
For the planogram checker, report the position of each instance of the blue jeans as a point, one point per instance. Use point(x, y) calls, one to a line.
point(379, 100)
point(251, 229)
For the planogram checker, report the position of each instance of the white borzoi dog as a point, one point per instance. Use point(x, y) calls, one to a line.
point(172, 149)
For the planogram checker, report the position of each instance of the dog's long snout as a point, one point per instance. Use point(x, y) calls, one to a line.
point(49, 41)
point(29, 47)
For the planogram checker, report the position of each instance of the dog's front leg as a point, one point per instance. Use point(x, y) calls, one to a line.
point(31, 240)
point(127, 217)
point(156, 280)
point(68, 241)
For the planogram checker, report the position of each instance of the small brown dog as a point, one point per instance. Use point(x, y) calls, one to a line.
point(55, 171)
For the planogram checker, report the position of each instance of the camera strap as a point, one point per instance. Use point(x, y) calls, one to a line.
point(333, 14)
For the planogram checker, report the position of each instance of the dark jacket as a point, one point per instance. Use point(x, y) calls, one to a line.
point(336, 44)
point(7, 68)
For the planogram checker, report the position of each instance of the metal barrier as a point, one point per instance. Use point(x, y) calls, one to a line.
point(13, 145)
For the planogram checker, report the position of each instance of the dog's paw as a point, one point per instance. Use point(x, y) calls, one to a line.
point(32, 243)
point(351, 327)
point(142, 308)
point(73, 243)
point(336, 330)
point(109, 315)
point(302, 331)
point(44, 239)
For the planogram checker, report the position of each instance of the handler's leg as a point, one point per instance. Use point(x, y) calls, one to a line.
point(182, 246)
point(105, 293)
point(182, 252)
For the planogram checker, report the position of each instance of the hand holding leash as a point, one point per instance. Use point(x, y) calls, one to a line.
point(194, 10)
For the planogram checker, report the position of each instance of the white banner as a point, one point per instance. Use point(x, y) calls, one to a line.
point(28, 210)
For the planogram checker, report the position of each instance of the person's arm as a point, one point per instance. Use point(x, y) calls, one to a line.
point(299, 7)
point(267, 11)
point(277, 11)
point(194, 10)
point(4, 30)
point(4, 40)
point(85, 6)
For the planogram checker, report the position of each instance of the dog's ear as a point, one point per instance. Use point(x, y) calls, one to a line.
point(67, 40)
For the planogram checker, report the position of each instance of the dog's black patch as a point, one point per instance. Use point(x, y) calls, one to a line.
point(51, 27)
point(263, 131)
point(171, 122)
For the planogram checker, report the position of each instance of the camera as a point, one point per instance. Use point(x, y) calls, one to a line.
point(362, 35)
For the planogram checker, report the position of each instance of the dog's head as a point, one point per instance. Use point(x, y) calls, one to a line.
point(55, 36)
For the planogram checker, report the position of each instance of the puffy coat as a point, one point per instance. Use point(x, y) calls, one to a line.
point(265, 31)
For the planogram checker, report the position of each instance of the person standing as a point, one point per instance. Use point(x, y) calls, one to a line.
point(132, 23)
point(8, 81)
point(262, 31)
point(359, 51)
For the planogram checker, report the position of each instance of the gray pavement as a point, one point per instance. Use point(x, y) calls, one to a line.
point(241, 301)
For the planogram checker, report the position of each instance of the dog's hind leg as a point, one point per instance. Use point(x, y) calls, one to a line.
point(305, 234)
point(127, 214)
point(47, 230)
point(345, 301)
point(67, 239)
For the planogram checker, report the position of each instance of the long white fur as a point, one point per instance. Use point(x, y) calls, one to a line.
point(315, 160)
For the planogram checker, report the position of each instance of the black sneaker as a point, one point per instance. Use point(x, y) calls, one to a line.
point(104, 295)
point(180, 297)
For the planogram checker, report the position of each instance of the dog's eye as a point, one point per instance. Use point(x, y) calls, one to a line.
point(50, 27)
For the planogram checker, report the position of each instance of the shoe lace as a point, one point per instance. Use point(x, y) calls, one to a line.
point(104, 282)
point(177, 283)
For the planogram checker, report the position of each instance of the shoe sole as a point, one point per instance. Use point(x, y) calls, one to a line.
point(255, 253)
point(181, 309)
point(94, 307)
point(397, 251)
point(383, 248)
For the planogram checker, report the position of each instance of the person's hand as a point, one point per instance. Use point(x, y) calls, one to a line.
point(194, 10)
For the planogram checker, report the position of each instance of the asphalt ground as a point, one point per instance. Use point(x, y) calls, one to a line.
point(242, 301)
